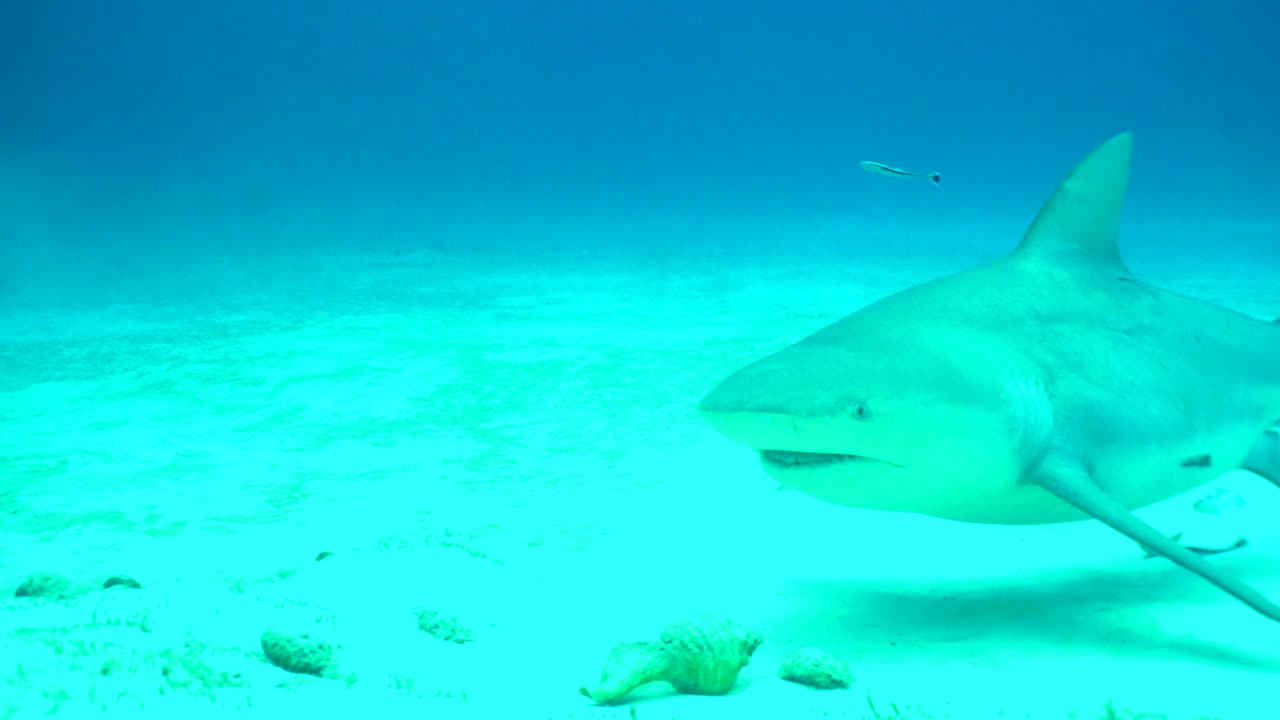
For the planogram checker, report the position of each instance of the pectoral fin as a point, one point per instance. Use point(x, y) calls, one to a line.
point(1073, 484)
point(1264, 458)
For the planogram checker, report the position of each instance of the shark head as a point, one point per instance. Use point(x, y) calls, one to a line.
point(899, 420)
point(935, 400)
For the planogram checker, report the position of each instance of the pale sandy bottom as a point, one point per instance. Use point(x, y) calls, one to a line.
point(513, 442)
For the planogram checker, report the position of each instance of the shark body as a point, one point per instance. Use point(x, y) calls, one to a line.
point(1048, 386)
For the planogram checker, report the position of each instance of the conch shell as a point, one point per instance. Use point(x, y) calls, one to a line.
point(700, 655)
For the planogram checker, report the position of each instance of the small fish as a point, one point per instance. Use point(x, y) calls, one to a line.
point(876, 168)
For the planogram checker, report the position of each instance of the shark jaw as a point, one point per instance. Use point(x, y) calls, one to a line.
point(790, 445)
point(861, 481)
point(781, 461)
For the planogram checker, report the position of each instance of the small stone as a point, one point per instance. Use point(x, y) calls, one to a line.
point(47, 585)
point(300, 654)
point(121, 581)
point(816, 669)
point(445, 627)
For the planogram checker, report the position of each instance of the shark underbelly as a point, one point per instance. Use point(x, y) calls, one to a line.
point(1139, 474)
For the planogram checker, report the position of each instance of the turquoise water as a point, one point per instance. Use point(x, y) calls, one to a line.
point(433, 289)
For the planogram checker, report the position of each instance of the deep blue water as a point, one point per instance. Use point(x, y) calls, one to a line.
point(159, 117)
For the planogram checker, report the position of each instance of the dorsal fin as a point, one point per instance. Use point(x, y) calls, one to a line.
point(1078, 225)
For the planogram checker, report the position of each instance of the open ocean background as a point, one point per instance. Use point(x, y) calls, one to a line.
point(155, 133)
point(434, 287)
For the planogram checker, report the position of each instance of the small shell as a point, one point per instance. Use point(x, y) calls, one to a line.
point(629, 666)
point(301, 654)
point(816, 669)
point(48, 585)
point(709, 653)
point(700, 655)
point(445, 627)
point(123, 581)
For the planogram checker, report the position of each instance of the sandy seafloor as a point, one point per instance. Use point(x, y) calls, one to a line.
point(510, 438)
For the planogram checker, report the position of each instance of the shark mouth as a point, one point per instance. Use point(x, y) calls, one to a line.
point(790, 460)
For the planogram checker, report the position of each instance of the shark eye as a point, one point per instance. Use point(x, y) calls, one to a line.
point(860, 411)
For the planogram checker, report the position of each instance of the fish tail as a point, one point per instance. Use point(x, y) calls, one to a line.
point(936, 178)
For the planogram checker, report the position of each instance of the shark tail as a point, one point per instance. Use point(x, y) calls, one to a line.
point(937, 180)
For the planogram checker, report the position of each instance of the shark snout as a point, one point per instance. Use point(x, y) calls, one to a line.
point(778, 403)
point(771, 426)
point(737, 409)
point(754, 429)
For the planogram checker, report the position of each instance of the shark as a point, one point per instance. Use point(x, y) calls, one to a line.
point(1049, 385)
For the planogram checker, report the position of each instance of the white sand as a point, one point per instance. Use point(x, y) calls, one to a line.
point(513, 442)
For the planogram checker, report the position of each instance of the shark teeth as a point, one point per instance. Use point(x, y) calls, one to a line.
point(795, 460)
point(788, 458)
